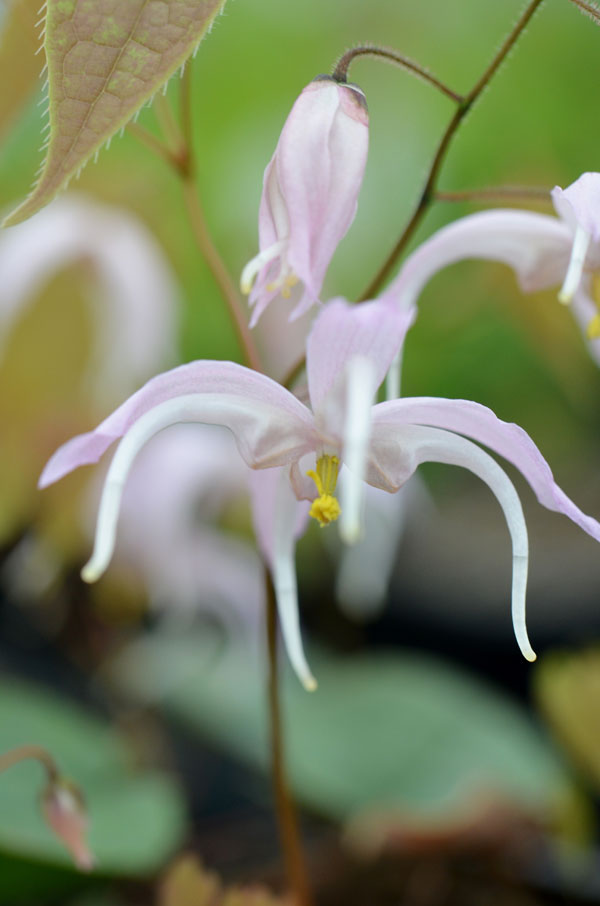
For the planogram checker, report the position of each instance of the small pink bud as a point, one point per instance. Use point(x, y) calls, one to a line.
point(310, 193)
point(65, 814)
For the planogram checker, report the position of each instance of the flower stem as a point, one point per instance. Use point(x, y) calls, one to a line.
point(289, 833)
point(178, 154)
point(340, 72)
point(151, 142)
point(23, 753)
point(512, 193)
point(219, 271)
point(429, 189)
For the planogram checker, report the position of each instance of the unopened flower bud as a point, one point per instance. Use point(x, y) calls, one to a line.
point(310, 192)
point(65, 814)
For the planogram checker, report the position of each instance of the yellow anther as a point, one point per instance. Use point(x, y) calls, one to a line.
point(325, 508)
point(593, 328)
point(283, 285)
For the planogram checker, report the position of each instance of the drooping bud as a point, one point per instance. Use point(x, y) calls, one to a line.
point(64, 812)
point(310, 193)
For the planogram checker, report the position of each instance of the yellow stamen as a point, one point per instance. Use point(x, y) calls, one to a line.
point(593, 328)
point(284, 286)
point(325, 508)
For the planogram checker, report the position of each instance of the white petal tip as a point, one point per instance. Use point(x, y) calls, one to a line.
point(350, 534)
point(91, 572)
point(565, 297)
point(309, 683)
point(530, 656)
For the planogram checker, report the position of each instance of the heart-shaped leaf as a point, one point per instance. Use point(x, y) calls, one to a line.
point(389, 730)
point(106, 59)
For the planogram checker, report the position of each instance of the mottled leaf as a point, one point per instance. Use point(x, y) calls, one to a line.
point(19, 65)
point(106, 58)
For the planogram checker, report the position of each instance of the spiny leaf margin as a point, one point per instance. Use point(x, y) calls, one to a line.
point(106, 59)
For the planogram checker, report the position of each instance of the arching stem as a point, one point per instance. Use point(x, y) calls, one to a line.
point(177, 152)
point(429, 189)
point(498, 193)
point(340, 72)
point(24, 753)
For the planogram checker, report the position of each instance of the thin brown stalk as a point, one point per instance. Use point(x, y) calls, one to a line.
point(167, 122)
point(219, 271)
point(38, 753)
point(289, 832)
point(151, 142)
point(340, 72)
point(179, 155)
point(186, 108)
point(429, 189)
point(501, 193)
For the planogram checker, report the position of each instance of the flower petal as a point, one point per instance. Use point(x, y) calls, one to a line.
point(537, 247)
point(271, 426)
point(180, 487)
point(579, 204)
point(361, 388)
point(585, 311)
point(433, 445)
point(581, 244)
point(389, 466)
point(279, 518)
point(364, 570)
point(341, 332)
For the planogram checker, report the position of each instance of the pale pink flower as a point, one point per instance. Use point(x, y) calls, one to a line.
point(132, 293)
point(171, 533)
point(310, 193)
point(544, 251)
point(349, 351)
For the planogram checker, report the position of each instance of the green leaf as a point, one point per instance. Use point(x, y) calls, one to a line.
point(386, 730)
point(136, 818)
point(105, 60)
point(19, 65)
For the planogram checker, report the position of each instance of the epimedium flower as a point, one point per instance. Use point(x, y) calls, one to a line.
point(296, 452)
point(543, 251)
point(181, 526)
point(310, 192)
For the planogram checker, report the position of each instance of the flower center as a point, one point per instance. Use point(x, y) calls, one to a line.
point(325, 508)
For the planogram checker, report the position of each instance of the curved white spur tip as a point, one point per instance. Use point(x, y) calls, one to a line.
point(350, 532)
point(309, 683)
point(92, 571)
point(519, 592)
